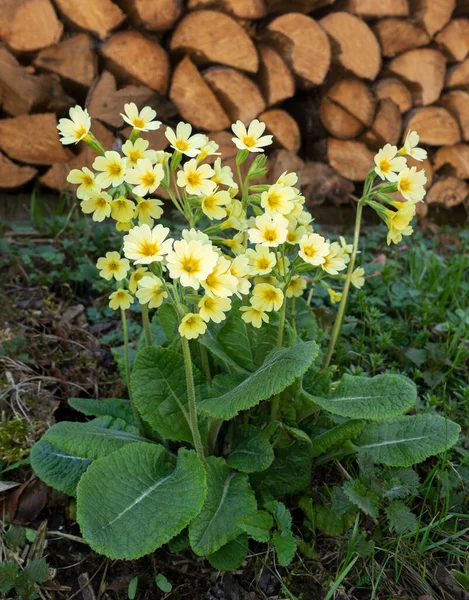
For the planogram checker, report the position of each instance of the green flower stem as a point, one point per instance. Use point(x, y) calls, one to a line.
point(146, 325)
point(293, 313)
point(205, 362)
point(191, 397)
point(345, 291)
point(127, 372)
point(281, 325)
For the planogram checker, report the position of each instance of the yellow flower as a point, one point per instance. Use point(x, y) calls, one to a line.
point(134, 151)
point(122, 209)
point(398, 221)
point(277, 200)
point(151, 291)
point(141, 121)
point(124, 225)
point(241, 269)
point(266, 297)
point(334, 296)
point(295, 234)
point(410, 183)
point(236, 216)
point(252, 139)
point(194, 234)
point(212, 205)
point(358, 278)
point(112, 265)
point(387, 163)
point(145, 176)
point(144, 245)
point(287, 179)
point(120, 299)
point(269, 231)
point(254, 316)
point(196, 178)
point(98, 203)
point(296, 287)
point(191, 262)
point(135, 277)
point(313, 249)
point(76, 128)
point(86, 179)
point(236, 243)
point(347, 248)
point(223, 175)
point(270, 279)
point(336, 259)
point(261, 260)
point(148, 209)
point(220, 282)
point(183, 142)
point(113, 168)
point(214, 309)
point(208, 149)
point(192, 325)
point(410, 147)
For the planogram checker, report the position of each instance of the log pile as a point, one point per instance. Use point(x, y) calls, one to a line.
point(332, 79)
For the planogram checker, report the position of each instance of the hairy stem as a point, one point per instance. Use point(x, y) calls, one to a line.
point(146, 325)
point(127, 372)
point(191, 397)
point(345, 291)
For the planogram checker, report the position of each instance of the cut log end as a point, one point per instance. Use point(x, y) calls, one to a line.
point(351, 159)
point(435, 126)
point(283, 127)
point(395, 90)
point(276, 80)
point(448, 191)
point(98, 16)
point(13, 175)
point(424, 69)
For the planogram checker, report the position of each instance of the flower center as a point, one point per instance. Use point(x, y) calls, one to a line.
point(405, 185)
point(138, 122)
point(210, 202)
point(149, 248)
point(270, 235)
point(149, 180)
point(87, 180)
point(270, 295)
point(263, 263)
point(249, 141)
point(115, 169)
point(194, 179)
point(385, 165)
point(274, 200)
point(113, 266)
point(310, 251)
point(190, 265)
point(101, 202)
point(134, 155)
point(209, 303)
point(80, 132)
point(181, 145)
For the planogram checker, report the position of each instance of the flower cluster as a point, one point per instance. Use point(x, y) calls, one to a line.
point(245, 242)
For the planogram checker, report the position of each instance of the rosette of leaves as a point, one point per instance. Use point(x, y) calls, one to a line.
point(136, 492)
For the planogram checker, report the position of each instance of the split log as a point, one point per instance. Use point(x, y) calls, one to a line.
point(454, 39)
point(321, 183)
point(132, 57)
point(13, 175)
point(397, 91)
point(281, 161)
point(424, 69)
point(382, 8)
point(56, 177)
point(433, 14)
point(458, 76)
point(242, 9)
point(386, 127)
point(276, 79)
point(300, 6)
point(213, 37)
point(448, 191)
point(33, 139)
point(453, 159)
point(457, 103)
point(105, 102)
point(398, 35)
point(73, 59)
point(29, 25)
point(351, 159)
point(239, 96)
point(195, 100)
point(303, 45)
point(151, 15)
point(98, 16)
point(21, 91)
point(283, 127)
point(354, 44)
point(347, 108)
point(435, 125)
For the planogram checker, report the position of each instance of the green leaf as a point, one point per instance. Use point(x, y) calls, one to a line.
point(379, 397)
point(159, 391)
point(118, 408)
point(289, 473)
point(235, 340)
point(36, 571)
point(179, 542)
point(145, 500)
point(257, 525)
point(279, 370)
point(251, 452)
point(163, 583)
point(305, 319)
point(168, 320)
point(213, 345)
point(281, 515)
point(297, 434)
point(132, 589)
point(90, 440)
point(359, 495)
point(401, 518)
point(285, 545)
point(335, 436)
point(408, 440)
point(229, 499)
point(58, 468)
point(8, 573)
point(230, 556)
point(15, 536)
point(158, 337)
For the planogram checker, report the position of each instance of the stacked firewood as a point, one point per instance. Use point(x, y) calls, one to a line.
point(332, 79)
